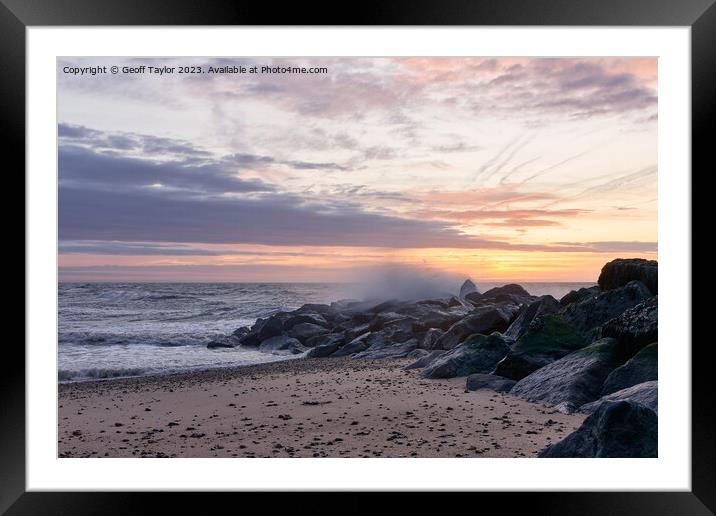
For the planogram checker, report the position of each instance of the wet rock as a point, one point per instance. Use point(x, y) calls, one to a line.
point(431, 338)
point(355, 346)
point(615, 429)
point(575, 296)
point(309, 318)
point(468, 287)
point(304, 331)
point(281, 343)
point(328, 345)
point(484, 320)
point(387, 349)
point(589, 314)
point(642, 367)
point(425, 360)
point(635, 327)
point(488, 381)
point(621, 271)
point(229, 341)
point(646, 394)
point(548, 339)
point(544, 305)
point(573, 380)
point(478, 354)
point(511, 293)
point(417, 353)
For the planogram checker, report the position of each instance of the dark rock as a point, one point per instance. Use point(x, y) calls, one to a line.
point(425, 360)
point(355, 346)
point(484, 320)
point(386, 349)
point(642, 367)
point(320, 340)
point(587, 315)
point(224, 342)
point(488, 381)
point(431, 338)
point(264, 329)
point(356, 331)
point(544, 305)
point(511, 293)
point(646, 394)
point(548, 339)
point(241, 332)
point(573, 380)
point(478, 354)
point(386, 306)
point(417, 353)
point(621, 271)
point(300, 318)
point(383, 319)
point(468, 287)
point(615, 429)
point(281, 343)
point(636, 327)
point(575, 296)
point(329, 345)
point(328, 312)
point(428, 317)
point(304, 331)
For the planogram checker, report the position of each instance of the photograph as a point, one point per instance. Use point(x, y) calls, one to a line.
point(357, 257)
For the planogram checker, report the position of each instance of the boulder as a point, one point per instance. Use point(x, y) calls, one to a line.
point(264, 329)
point(386, 349)
point(646, 394)
point(440, 318)
point(304, 331)
point(511, 293)
point(384, 319)
point(328, 312)
point(281, 343)
point(424, 360)
point(587, 315)
point(327, 345)
point(615, 429)
point(621, 271)
point(488, 381)
point(484, 320)
point(478, 354)
point(241, 332)
point(542, 306)
point(468, 287)
point(431, 338)
point(355, 346)
point(636, 327)
point(352, 332)
point(575, 296)
point(548, 339)
point(417, 354)
point(224, 342)
point(573, 380)
point(642, 367)
point(308, 318)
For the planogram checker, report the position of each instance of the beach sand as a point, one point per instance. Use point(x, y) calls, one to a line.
point(301, 408)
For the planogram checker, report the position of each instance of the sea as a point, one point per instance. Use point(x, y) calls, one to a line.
point(112, 330)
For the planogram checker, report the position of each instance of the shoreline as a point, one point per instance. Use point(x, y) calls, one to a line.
point(301, 408)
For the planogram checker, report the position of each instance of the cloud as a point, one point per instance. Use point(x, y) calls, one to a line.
point(84, 168)
point(615, 246)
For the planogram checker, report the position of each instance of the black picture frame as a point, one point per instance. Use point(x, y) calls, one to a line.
point(17, 15)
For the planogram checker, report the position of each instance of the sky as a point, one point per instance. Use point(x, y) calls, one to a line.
point(498, 169)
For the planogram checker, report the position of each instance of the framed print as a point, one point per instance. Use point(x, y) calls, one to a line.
point(423, 252)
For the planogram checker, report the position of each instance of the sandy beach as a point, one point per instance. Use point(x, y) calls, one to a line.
point(301, 408)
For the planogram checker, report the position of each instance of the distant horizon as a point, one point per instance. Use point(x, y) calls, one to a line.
point(520, 169)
